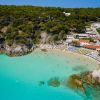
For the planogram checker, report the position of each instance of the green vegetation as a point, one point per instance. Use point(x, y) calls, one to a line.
point(18, 24)
point(98, 30)
point(90, 39)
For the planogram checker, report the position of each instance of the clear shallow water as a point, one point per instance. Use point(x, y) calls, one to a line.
point(20, 76)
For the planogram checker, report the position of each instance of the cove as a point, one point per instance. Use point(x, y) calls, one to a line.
point(20, 76)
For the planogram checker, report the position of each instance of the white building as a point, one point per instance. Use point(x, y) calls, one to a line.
point(81, 35)
point(69, 38)
point(89, 30)
point(96, 25)
point(93, 34)
point(67, 14)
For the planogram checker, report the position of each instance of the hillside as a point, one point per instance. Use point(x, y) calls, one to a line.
point(19, 24)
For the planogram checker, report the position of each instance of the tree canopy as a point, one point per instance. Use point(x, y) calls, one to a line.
point(24, 22)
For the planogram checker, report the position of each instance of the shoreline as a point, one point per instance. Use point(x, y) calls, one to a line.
point(56, 50)
point(63, 48)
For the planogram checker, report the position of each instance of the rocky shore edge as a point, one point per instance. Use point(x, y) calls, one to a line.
point(16, 49)
point(88, 83)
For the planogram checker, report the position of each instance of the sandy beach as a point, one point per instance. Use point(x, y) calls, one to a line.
point(60, 51)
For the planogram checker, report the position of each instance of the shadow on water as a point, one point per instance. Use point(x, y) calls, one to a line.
point(92, 93)
point(88, 91)
point(87, 95)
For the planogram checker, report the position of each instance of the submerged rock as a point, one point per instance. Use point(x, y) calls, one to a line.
point(55, 82)
point(74, 82)
point(84, 83)
point(79, 68)
point(41, 83)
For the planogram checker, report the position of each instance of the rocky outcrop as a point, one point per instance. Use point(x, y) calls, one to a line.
point(74, 82)
point(15, 50)
point(88, 83)
point(55, 82)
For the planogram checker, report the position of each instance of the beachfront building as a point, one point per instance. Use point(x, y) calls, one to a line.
point(88, 29)
point(69, 39)
point(96, 25)
point(84, 42)
point(97, 41)
point(90, 32)
point(93, 34)
point(83, 35)
point(93, 47)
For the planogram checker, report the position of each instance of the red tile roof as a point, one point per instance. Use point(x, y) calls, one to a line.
point(98, 38)
point(97, 46)
point(91, 47)
point(84, 41)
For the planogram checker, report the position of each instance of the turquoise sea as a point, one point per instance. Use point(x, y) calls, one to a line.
point(20, 76)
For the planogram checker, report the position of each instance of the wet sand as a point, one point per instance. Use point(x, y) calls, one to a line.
point(79, 57)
